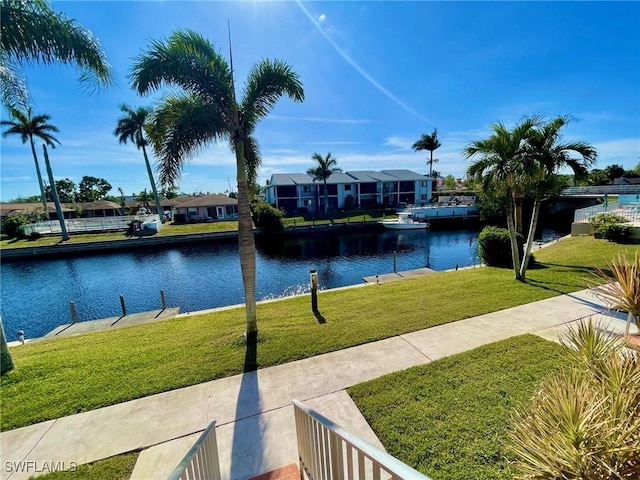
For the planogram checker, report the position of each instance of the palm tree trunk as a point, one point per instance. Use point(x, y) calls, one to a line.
point(326, 197)
point(431, 164)
point(43, 196)
point(54, 194)
point(518, 213)
point(153, 185)
point(246, 245)
point(515, 254)
point(532, 230)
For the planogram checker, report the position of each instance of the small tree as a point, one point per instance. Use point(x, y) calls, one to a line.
point(326, 166)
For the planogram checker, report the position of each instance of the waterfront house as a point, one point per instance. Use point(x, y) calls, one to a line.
point(32, 208)
point(297, 192)
point(100, 208)
point(208, 207)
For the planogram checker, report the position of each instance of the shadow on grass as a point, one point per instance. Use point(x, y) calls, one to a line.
point(319, 317)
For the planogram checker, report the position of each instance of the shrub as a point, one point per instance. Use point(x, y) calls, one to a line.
point(494, 246)
point(585, 422)
point(267, 217)
point(605, 219)
point(11, 225)
point(614, 232)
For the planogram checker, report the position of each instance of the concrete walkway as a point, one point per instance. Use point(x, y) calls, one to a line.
point(255, 424)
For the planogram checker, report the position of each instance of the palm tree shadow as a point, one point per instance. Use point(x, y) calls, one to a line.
point(248, 430)
point(319, 317)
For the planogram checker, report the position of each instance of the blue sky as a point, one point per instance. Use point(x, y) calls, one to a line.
point(376, 75)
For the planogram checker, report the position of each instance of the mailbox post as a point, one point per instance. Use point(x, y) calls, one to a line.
point(314, 290)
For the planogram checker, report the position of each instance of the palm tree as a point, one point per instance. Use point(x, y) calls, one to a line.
point(548, 155)
point(498, 164)
point(32, 32)
point(207, 111)
point(431, 143)
point(326, 166)
point(131, 127)
point(28, 126)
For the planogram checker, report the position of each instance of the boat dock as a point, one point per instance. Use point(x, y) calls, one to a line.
point(121, 321)
point(390, 277)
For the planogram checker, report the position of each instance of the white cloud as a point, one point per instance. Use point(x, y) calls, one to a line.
point(624, 151)
point(322, 17)
point(322, 119)
point(404, 143)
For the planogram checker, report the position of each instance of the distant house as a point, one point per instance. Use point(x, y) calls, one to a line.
point(208, 207)
point(28, 209)
point(100, 208)
point(298, 192)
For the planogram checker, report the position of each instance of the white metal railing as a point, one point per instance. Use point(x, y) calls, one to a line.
point(201, 461)
point(77, 225)
point(629, 213)
point(328, 452)
point(600, 190)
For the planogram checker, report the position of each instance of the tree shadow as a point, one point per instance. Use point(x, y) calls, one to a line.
point(319, 317)
point(247, 447)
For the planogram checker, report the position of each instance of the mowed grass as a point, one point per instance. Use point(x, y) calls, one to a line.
point(119, 467)
point(167, 230)
point(449, 419)
point(63, 376)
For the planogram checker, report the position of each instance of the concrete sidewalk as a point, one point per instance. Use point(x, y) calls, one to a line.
point(253, 411)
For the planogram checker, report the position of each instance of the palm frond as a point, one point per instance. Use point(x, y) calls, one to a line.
point(182, 126)
point(267, 82)
point(33, 32)
point(186, 60)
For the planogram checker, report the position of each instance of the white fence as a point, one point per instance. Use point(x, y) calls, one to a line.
point(600, 190)
point(201, 461)
point(329, 452)
point(628, 212)
point(82, 225)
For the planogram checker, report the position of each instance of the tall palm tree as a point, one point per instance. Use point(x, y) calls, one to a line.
point(28, 126)
point(326, 166)
point(431, 143)
point(498, 164)
point(207, 111)
point(131, 126)
point(31, 31)
point(548, 154)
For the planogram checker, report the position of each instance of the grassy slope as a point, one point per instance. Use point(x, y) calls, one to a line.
point(449, 419)
point(68, 375)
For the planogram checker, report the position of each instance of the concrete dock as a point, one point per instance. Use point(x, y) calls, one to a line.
point(390, 277)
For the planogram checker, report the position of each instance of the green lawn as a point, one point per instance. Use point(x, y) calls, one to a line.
point(449, 419)
point(68, 375)
point(167, 230)
point(119, 467)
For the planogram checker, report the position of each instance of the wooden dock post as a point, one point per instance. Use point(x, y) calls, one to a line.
point(395, 270)
point(124, 307)
point(164, 303)
point(72, 307)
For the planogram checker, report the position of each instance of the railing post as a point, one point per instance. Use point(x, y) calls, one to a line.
point(124, 307)
point(164, 303)
point(395, 270)
point(72, 307)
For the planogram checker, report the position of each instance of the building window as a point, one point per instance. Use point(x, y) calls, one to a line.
point(192, 210)
point(308, 203)
point(423, 184)
point(423, 197)
point(306, 189)
point(347, 188)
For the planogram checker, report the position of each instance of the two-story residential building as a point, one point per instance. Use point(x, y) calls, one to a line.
point(298, 192)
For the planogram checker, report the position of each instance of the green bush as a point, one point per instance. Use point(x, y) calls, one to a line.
point(494, 246)
point(614, 232)
point(267, 217)
point(605, 219)
point(11, 225)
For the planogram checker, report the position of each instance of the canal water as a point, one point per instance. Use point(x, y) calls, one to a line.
point(35, 294)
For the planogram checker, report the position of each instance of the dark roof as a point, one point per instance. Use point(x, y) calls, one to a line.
point(99, 205)
point(26, 208)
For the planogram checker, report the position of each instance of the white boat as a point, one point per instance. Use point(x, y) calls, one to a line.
point(404, 222)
